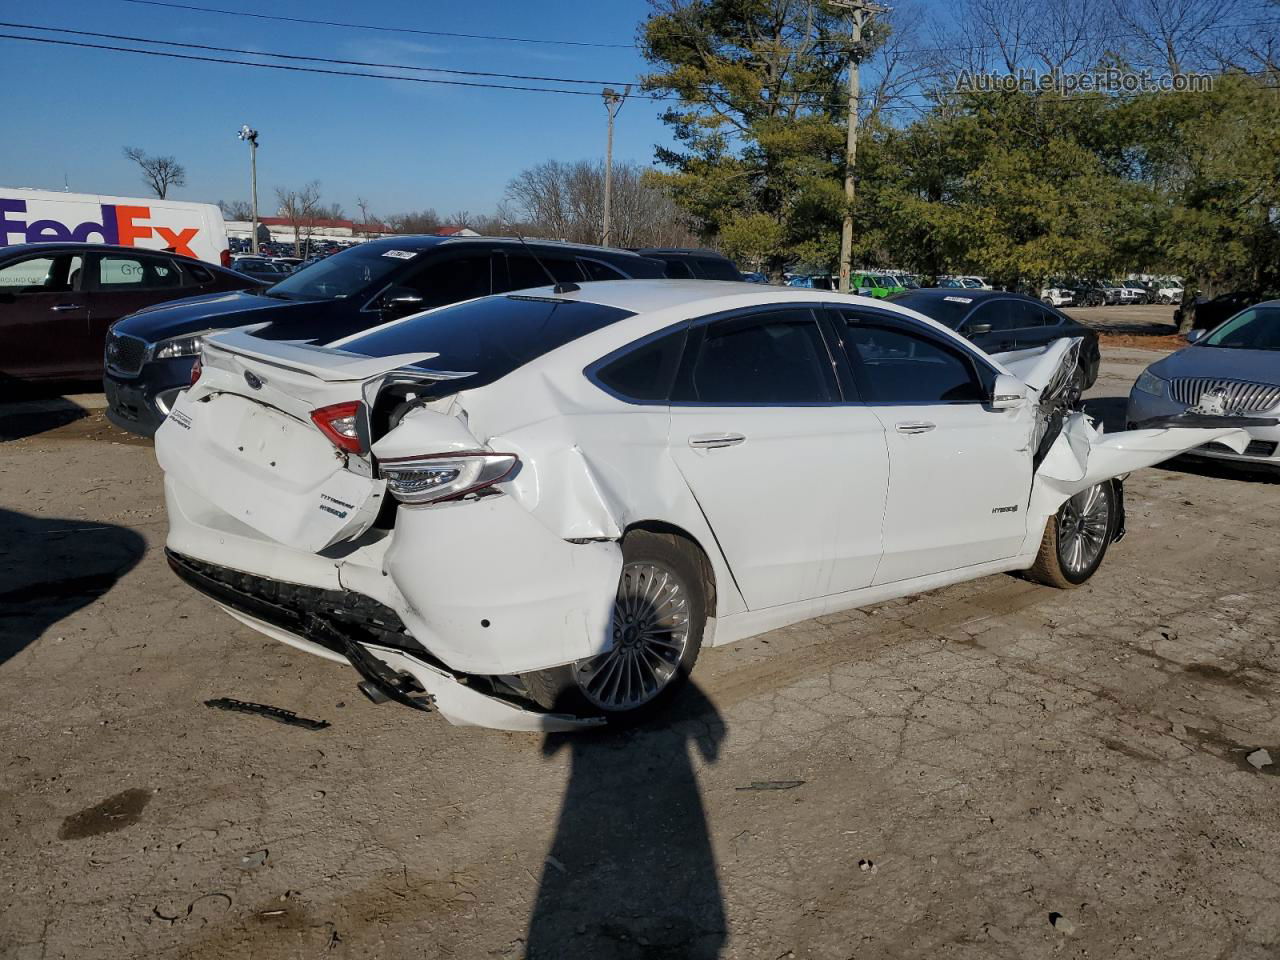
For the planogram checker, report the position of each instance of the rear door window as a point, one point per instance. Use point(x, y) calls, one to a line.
point(775, 358)
point(713, 268)
point(121, 272)
point(523, 271)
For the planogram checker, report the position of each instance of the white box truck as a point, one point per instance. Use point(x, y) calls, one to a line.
point(45, 216)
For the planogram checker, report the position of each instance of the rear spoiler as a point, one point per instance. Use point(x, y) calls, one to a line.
point(323, 363)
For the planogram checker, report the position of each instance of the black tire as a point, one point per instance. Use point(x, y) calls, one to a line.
point(557, 689)
point(1051, 567)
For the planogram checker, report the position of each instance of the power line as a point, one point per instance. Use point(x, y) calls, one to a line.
point(299, 69)
point(373, 26)
point(290, 56)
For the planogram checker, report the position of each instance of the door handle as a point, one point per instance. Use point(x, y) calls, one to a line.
point(712, 441)
point(64, 307)
point(914, 426)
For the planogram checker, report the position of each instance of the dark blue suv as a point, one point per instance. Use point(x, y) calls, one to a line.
point(149, 354)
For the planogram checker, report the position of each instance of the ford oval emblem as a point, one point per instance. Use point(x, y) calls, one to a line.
point(253, 380)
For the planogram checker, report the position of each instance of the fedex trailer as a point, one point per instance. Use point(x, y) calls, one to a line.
point(45, 216)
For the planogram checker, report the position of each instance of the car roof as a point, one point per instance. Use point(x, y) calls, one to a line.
point(421, 243)
point(977, 296)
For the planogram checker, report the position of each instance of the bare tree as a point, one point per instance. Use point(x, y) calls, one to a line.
point(300, 209)
point(416, 221)
point(565, 201)
point(363, 205)
point(159, 173)
point(236, 210)
point(1176, 35)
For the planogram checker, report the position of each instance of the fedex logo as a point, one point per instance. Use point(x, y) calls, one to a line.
point(123, 225)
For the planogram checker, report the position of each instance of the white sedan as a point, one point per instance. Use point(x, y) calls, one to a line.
point(531, 511)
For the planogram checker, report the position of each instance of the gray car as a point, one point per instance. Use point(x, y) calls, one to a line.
point(1232, 369)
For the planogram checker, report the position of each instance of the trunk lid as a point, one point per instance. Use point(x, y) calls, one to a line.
point(242, 438)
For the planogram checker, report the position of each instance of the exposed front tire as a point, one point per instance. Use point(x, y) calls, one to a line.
point(659, 613)
point(1076, 538)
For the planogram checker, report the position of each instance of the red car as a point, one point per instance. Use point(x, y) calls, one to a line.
point(58, 299)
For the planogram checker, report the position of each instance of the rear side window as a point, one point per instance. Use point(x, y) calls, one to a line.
point(121, 272)
point(487, 338)
point(678, 270)
point(595, 270)
point(713, 268)
point(770, 358)
point(524, 272)
point(197, 274)
point(644, 374)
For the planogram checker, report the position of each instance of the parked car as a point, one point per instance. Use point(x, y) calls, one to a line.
point(1169, 293)
point(264, 271)
point(818, 282)
point(1001, 323)
point(1210, 313)
point(974, 283)
point(57, 301)
point(1088, 295)
point(1132, 292)
point(1058, 296)
point(693, 264)
point(349, 291)
point(878, 285)
point(1234, 367)
point(756, 277)
point(532, 510)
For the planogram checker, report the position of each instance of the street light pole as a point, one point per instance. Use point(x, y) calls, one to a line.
point(251, 135)
point(860, 12)
point(613, 103)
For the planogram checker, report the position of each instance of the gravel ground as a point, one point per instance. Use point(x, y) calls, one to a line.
point(993, 770)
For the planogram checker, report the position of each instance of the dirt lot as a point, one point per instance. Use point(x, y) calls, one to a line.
point(996, 770)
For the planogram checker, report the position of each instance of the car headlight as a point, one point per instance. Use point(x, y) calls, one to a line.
point(188, 346)
point(1148, 382)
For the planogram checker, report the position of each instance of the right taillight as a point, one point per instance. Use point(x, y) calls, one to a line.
point(338, 423)
point(196, 369)
point(445, 476)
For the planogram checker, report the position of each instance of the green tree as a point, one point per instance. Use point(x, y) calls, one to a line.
point(759, 140)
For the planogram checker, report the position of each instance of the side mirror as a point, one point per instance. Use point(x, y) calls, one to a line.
point(977, 329)
point(401, 301)
point(1008, 393)
point(1194, 336)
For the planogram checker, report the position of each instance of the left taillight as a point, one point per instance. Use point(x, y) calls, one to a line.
point(196, 369)
point(225, 258)
point(338, 423)
point(448, 476)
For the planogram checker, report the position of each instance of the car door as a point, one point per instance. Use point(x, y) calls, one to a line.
point(123, 283)
point(451, 277)
point(790, 477)
point(1038, 326)
point(44, 317)
point(960, 473)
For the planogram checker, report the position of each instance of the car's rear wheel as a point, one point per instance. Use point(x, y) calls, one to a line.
point(659, 612)
point(1076, 538)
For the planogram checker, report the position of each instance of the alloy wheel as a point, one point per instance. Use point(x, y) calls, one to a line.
point(1083, 525)
point(650, 636)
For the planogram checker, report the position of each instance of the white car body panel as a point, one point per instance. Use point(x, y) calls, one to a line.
point(807, 516)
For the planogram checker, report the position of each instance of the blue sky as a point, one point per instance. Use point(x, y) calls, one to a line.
point(401, 145)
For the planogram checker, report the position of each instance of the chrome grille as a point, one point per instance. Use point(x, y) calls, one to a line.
point(125, 354)
point(1239, 395)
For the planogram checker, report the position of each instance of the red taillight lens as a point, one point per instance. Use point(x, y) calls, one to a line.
point(196, 369)
point(225, 257)
point(338, 423)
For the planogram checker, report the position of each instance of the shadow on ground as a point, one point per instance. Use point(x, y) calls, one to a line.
point(52, 566)
point(631, 874)
point(1223, 469)
point(32, 415)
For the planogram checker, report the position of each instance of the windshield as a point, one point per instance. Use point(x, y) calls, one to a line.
point(342, 275)
point(1257, 328)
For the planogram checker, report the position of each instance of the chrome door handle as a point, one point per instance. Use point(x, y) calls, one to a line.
point(63, 307)
point(711, 441)
point(914, 426)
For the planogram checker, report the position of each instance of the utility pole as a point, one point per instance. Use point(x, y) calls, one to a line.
point(251, 135)
point(613, 103)
point(860, 13)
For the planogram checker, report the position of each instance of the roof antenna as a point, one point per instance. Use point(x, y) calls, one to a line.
point(557, 286)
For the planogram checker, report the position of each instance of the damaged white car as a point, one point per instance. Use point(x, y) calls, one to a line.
point(531, 511)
